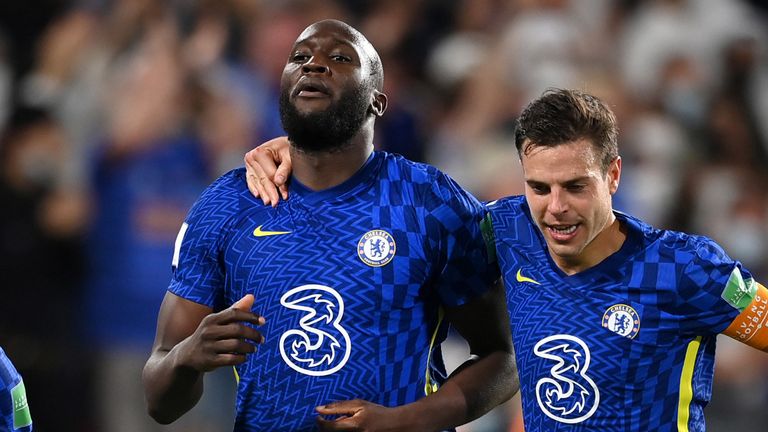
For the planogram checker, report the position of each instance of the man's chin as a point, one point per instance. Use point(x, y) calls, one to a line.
point(316, 143)
point(567, 250)
point(306, 107)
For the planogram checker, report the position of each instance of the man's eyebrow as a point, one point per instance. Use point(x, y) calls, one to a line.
point(576, 180)
point(337, 41)
point(532, 182)
point(567, 182)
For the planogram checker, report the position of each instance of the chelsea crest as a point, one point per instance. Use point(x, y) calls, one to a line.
point(376, 248)
point(623, 320)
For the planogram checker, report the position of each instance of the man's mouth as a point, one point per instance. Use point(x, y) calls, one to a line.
point(562, 232)
point(311, 89)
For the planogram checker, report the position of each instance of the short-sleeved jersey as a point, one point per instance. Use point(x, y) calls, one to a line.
point(627, 345)
point(350, 281)
point(14, 410)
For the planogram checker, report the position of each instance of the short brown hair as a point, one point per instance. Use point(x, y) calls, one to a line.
point(561, 116)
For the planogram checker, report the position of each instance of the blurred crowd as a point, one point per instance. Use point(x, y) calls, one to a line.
point(115, 115)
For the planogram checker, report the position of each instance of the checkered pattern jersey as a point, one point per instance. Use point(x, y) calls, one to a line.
point(337, 328)
point(578, 370)
point(9, 378)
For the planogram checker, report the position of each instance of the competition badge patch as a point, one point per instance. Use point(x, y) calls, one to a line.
point(623, 320)
point(376, 248)
point(21, 415)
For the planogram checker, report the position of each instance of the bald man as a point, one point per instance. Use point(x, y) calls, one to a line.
point(355, 278)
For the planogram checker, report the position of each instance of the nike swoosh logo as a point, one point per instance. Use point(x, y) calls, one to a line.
point(259, 233)
point(521, 278)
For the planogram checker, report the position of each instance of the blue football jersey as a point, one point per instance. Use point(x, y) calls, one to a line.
point(627, 345)
point(350, 281)
point(14, 410)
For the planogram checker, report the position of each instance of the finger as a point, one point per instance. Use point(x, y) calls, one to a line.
point(267, 160)
point(245, 303)
point(275, 159)
point(286, 165)
point(339, 408)
point(228, 359)
point(233, 346)
point(342, 424)
point(250, 177)
point(260, 168)
point(252, 181)
point(283, 170)
point(269, 188)
point(233, 315)
point(255, 177)
point(239, 331)
point(281, 177)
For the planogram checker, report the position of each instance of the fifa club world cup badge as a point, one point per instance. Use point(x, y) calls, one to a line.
point(376, 248)
point(623, 320)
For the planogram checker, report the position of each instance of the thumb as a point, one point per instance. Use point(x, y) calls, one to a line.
point(245, 303)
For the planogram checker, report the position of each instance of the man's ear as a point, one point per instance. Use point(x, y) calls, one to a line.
point(614, 175)
point(378, 103)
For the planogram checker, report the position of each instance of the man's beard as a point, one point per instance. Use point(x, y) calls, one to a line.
point(326, 131)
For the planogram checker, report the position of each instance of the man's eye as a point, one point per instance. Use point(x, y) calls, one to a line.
point(300, 58)
point(576, 187)
point(341, 58)
point(539, 190)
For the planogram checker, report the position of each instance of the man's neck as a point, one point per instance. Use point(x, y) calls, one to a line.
point(323, 170)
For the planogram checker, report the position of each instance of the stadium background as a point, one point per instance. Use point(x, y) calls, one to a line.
point(114, 115)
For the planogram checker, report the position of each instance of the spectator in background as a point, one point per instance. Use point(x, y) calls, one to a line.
point(149, 168)
point(744, 89)
point(41, 266)
point(5, 83)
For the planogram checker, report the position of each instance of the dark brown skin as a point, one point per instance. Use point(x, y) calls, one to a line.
point(327, 56)
point(190, 341)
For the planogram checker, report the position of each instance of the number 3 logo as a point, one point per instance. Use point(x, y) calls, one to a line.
point(320, 346)
point(567, 395)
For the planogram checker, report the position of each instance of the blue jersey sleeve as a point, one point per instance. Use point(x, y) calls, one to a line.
point(702, 305)
point(466, 270)
point(198, 273)
point(14, 410)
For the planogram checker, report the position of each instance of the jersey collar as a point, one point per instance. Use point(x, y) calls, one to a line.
point(359, 181)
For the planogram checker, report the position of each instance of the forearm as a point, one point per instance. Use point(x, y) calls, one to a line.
point(478, 386)
point(170, 389)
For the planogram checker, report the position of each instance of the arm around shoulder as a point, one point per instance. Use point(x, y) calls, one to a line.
point(487, 379)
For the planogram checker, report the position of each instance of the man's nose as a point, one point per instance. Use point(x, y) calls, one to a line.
point(558, 202)
point(313, 66)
